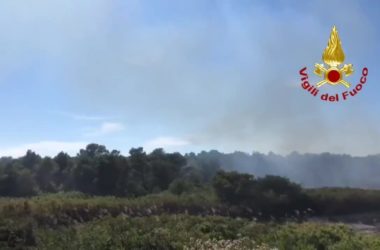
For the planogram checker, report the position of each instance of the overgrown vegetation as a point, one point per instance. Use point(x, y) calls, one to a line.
point(178, 232)
point(332, 201)
point(98, 171)
point(187, 232)
point(101, 199)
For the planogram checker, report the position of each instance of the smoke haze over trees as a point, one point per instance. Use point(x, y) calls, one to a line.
point(309, 170)
point(96, 170)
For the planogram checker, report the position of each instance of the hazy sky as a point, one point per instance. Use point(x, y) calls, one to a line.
point(183, 75)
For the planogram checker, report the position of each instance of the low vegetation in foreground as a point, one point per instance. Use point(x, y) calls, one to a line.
point(195, 232)
point(164, 221)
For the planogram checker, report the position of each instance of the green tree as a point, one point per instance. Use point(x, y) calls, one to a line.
point(64, 175)
point(85, 174)
point(140, 176)
point(233, 187)
point(85, 178)
point(31, 160)
point(45, 175)
point(17, 181)
point(109, 170)
point(165, 167)
point(25, 184)
point(93, 150)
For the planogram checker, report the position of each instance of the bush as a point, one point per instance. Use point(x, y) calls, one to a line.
point(234, 188)
point(185, 232)
point(180, 186)
point(270, 196)
point(340, 201)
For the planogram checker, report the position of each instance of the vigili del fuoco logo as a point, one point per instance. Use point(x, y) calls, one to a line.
point(333, 73)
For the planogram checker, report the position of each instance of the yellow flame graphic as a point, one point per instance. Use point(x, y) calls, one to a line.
point(333, 54)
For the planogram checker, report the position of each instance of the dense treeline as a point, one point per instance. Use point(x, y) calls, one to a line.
point(97, 171)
